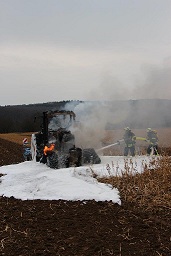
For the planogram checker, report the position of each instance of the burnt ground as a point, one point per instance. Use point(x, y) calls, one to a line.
point(82, 228)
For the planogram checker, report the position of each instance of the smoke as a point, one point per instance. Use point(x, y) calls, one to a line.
point(148, 82)
point(92, 119)
point(150, 107)
point(90, 124)
point(110, 88)
point(155, 82)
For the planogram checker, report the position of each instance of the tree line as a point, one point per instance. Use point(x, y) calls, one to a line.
point(21, 118)
point(138, 114)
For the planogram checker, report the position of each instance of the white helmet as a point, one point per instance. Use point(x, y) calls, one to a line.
point(149, 129)
point(127, 129)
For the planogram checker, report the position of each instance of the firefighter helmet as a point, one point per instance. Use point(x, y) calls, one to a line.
point(149, 129)
point(127, 129)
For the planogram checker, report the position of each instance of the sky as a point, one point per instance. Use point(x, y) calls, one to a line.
point(32, 180)
point(59, 50)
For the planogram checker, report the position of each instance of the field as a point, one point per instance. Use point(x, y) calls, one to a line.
point(16, 137)
point(140, 226)
point(164, 135)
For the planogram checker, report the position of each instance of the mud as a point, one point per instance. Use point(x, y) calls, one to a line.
point(81, 228)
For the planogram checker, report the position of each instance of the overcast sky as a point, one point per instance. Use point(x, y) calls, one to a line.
point(53, 50)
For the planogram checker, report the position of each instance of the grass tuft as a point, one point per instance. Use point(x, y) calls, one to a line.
point(151, 189)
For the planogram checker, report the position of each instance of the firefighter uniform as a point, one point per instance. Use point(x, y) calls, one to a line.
point(130, 140)
point(152, 137)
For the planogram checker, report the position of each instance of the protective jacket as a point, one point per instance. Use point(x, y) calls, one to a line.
point(152, 137)
point(129, 138)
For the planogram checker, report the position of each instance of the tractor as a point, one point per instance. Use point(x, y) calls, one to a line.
point(55, 145)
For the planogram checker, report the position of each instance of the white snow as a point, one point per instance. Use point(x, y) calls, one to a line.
point(32, 180)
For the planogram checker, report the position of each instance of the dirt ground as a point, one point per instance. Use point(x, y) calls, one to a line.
point(81, 228)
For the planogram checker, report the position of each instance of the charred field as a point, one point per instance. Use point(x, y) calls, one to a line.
point(140, 226)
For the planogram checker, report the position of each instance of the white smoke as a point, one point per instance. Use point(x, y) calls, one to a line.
point(91, 121)
point(149, 109)
point(155, 82)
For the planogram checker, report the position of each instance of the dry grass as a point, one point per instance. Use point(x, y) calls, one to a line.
point(151, 189)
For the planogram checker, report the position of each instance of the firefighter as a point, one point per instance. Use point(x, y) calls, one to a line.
point(130, 140)
point(152, 138)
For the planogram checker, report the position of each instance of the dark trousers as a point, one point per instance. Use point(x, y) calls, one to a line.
point(131, 149)
point(43, 159)
point(149, 149)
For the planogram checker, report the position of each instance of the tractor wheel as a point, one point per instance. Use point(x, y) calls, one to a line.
point(75, 157)
point(63, 161)
point(80, 158)
point(52, 160)
point(90, 156)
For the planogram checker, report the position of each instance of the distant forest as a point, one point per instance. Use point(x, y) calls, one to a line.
point(21, 118)
point(135, 114)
